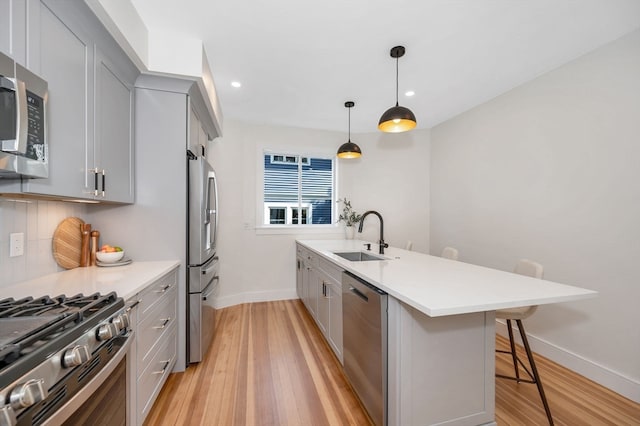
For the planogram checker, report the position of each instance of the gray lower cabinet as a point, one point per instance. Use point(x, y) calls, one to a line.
point(154, 350)
point(334, 290)
point(330, 304)
point(299, 276)
point(90, 105)
point(318, 285)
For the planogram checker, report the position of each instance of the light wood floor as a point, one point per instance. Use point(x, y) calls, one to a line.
point(269, 365)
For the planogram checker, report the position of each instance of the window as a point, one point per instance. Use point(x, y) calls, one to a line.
point(288, 159)
point(298, 190)
point(295, 212)
point(277, 215)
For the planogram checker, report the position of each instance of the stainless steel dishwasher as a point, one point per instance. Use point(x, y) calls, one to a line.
point(364, 310)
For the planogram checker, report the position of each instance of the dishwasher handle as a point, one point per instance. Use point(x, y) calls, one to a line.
point(358, 293)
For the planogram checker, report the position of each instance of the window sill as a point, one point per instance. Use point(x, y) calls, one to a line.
point(299, 230)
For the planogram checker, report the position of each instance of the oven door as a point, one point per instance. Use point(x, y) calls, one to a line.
point(102, 401)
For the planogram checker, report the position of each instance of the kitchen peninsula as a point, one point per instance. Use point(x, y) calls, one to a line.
point(441, 326)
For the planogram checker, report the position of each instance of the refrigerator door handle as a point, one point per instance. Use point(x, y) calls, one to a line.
point(212, 266)
point(213, 288)
point(212, 186)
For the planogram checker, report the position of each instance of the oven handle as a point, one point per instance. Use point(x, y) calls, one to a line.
point(132, 305)
point(64, 412)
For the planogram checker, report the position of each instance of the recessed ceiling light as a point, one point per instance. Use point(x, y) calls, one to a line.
point(236, 84)
point(409, 93)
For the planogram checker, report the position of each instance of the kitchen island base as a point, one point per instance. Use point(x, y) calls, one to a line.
point(441, 369)
point(441, 328)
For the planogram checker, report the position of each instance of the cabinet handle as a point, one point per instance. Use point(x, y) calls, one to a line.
point(164, 368)
point(95, 180)
point(165, 288)
point(164, 324)
point(104, 180)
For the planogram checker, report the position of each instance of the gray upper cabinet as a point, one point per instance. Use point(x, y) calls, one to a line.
point(90, 110)
point(63, 57)
point(113, 152)
point(13, 29)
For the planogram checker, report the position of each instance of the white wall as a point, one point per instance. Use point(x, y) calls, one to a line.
point(257, 266)
point(392, 177)
point(37, 220)
point(549, 171)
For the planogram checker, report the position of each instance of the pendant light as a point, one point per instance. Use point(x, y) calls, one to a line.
point(398, 118)
point(349, 149)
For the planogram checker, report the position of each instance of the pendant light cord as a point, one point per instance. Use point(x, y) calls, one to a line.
point(397, 81)
point(349, 123)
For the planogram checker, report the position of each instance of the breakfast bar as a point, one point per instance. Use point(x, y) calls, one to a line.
point(441, 327)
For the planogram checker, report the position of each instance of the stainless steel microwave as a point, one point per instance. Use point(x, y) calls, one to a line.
point(24, 151)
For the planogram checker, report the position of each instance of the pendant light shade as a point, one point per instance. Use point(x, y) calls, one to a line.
point(398, 118)
point(349, 149)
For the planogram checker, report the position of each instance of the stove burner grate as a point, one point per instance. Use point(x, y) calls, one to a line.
point(26, 324)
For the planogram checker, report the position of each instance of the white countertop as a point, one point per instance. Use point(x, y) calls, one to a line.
point(126, 280)
point(437, 286)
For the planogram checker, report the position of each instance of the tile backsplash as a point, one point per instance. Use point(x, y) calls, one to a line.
point(37, 220)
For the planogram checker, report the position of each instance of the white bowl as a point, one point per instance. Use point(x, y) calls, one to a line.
point(111, 257)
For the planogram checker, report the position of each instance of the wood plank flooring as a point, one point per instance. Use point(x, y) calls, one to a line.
point(269, 365)
point(573, 399)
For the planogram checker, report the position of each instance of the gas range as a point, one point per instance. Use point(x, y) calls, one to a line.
point(50, 347)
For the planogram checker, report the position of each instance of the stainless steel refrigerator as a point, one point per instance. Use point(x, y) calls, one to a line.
point(171, 118)
point(202, 259)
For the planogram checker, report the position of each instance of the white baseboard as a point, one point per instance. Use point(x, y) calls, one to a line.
point(255, 296)
point(600, 374)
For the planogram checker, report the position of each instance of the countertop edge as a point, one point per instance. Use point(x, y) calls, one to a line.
point(126, 281)
point(572, 293)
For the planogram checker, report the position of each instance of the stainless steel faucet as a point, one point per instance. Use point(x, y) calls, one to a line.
point(382, 244)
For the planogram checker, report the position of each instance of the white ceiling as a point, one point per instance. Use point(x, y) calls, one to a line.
point(299, 61)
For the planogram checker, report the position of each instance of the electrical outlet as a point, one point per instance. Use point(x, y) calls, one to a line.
point(16, 244)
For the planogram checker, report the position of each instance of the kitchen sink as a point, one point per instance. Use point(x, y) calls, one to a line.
point(358, 256)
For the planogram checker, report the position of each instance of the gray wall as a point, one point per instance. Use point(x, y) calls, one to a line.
point(549, 171)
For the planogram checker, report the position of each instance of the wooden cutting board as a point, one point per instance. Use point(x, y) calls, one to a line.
point(67, 243)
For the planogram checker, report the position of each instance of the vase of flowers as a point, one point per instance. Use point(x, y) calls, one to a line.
point(350, 217)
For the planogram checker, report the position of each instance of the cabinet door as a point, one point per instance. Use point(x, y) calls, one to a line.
point(113, 131)
point(323, 305)
point(132, 357)
point(305, 284)
point(299, 277)
point(312, 292)
point(5, 27)
point(13, 29)
point(335, 318)
point(63, 56)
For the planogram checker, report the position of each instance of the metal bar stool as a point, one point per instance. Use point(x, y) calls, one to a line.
point(532, 269)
